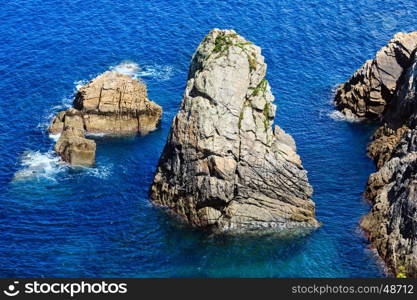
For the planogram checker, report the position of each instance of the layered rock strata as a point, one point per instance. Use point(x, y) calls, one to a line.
point(224, 166)
point(111, 103)
point(384, 89)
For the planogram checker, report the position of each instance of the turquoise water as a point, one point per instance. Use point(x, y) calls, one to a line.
point(58, 221)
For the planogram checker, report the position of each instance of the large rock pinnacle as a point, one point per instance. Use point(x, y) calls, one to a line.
point(224, 166)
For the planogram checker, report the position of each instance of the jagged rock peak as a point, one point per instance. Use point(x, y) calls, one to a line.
point(224, 166)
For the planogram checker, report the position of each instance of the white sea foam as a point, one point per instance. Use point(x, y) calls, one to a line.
point(133, 69)
point(161, 73)
point(127, 67)
point(338, 116)
point(101, 172)
point(79, 83)
point(49, 114)
point(96, 134)
point(36, 164)
point(54, 137)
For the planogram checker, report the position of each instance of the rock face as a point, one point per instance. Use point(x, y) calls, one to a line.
point(72, 145)
point(223, 166)
point(366, 94)
point(117, 104)
point(392, 223)
point(111, 103)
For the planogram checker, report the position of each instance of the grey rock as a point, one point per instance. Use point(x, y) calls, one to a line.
point(388, 83)
point(391, 225)
point(372, 87)
point(223, 167)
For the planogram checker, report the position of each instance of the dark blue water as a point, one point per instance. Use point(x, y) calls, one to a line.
point(58, 221)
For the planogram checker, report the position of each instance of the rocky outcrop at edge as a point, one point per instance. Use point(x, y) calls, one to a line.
point(111, 103)
point(385, 89)
point(223, 166)
point(366, 94)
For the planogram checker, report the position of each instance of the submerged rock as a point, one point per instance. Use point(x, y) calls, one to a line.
point(390, 86)
point(223, 166)
point(111, 103)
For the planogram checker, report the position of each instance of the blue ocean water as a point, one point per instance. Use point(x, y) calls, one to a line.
point(61, 222)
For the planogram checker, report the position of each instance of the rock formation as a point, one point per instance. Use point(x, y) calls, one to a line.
point(223, 166)
point(72, 145)
point(384, 89)
point(111, 103)
point(366, 94)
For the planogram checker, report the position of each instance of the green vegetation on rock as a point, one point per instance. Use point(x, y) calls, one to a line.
point(401, 272)
point(266, 115)
point(223, 42)
point(246, 104)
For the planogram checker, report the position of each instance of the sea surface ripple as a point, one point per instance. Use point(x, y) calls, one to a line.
point(57, 221)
